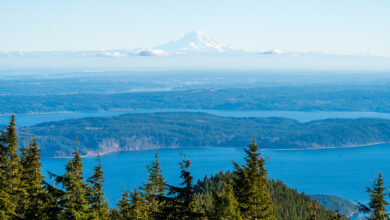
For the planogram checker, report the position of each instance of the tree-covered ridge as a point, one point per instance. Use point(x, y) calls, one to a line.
point(244, 194)
point(369, 98)
point(189, 129)
point(287, 203)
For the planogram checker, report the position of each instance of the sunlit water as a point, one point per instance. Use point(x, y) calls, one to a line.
point(343, 172)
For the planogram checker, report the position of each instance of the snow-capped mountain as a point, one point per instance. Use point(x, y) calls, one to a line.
point(197, 42)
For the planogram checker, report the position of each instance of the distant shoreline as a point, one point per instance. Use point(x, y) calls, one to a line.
point(267, 149)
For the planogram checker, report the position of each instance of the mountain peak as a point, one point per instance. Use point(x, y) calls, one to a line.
point(196, 42)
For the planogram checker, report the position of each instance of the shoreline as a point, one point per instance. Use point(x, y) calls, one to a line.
point(261, 149)
point(173, 110)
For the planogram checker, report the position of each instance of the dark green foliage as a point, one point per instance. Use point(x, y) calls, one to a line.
point(180, 202)
point(288, 204)
point(154, 187)
point(183, 129)
point(98, 204)
point(11, 191)
point(74, 200)
point(124, 206)
point(313, 211)
point(250, 185)
point(138, 208)
point(377, 206)
point(33, 200)
point(132, 206)
point(225, 204)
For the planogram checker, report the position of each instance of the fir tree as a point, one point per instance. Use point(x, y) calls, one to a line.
point(10, 189)
point(31, 181)
point(154, 187)
point(377, 206)
point(225, 205)
point(313, 211)
point(98, 204)
point(74, 201)
point(251, 186)
point(124, 207)
point(138, 209)
point(180, 203)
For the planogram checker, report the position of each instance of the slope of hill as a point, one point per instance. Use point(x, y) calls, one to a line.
point(288, 203)
point(188, 129)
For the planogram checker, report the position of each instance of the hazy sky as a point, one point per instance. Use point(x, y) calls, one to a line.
point(332, 26)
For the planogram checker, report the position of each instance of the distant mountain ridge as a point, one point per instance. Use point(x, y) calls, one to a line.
point(193, 43)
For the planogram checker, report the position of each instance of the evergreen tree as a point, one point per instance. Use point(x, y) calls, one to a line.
point(251, 186)
point(138, 209)
point(10, 189)
point(154, 187)
point(31, 180)
point(124, 207)
point(180, 202)
point(98, 204)
point(377, 206)
point(313, 211)
point(225, 205)
point(74, 201)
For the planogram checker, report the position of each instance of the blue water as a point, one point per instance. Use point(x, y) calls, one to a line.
point(343, 172)
point(26, 120)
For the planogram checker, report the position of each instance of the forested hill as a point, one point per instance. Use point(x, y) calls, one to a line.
point(287, 98)
point(189, 129)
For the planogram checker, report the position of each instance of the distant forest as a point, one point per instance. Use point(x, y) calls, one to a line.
point(286, 98)
point(189, 129)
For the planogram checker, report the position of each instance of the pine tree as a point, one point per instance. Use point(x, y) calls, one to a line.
point(313, 211)
point(74, 201)
point(31, 181)
point(98, 204)
point(124, 206)
point(10, 190)
point(182, 203)
point(138, 209)
point(377, 206)
point(251, 186)
point(225, 205)
point(154, 187)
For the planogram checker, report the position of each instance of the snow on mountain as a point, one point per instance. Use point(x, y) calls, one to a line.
point(197, 42)
point(273, 52)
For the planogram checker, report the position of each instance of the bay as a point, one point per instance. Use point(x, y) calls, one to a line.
point(341, 171)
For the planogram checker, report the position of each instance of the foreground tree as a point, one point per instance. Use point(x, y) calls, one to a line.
point(10, 186)
point(180, 202)
point(123, 210)
point(155, 187)
point(33, 199)
point(377, 206)
point(98, 204)
point(74, 201)
point(225, 205)
point(251, 186)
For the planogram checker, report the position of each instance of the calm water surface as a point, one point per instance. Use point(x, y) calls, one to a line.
point(342, 172)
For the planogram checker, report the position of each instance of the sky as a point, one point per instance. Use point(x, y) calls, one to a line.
point(358, 27)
